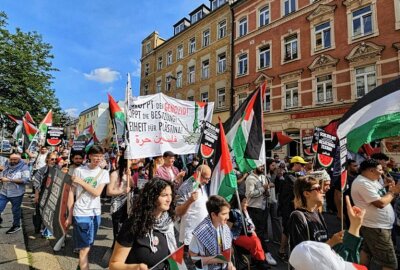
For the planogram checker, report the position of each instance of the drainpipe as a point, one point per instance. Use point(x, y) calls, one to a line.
point(232, 60)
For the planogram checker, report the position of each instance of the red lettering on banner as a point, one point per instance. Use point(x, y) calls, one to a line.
point(175, 109)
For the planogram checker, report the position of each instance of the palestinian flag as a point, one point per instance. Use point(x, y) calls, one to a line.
point(175, 260)
point(28, 117)
point(278, 140)
point(46, 122)
point(87, 132)
point(14, 118)
point(375, 116)
point(223, 179)
point(117, 116)
point(245, 134)
point(29, 131)
point(92, 141)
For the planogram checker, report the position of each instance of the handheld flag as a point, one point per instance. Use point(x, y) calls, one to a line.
point(245, 134)
point(46, 122)
point(278, 140)
point(117, 115)
point(28, 117)
point(375, 116)
point(223, 179)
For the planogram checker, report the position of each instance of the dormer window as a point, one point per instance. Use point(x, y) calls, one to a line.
point(197, 16)
point(216, 4)
point(179, 28)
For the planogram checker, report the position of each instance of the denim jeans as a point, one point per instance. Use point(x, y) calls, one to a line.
point(15, 207)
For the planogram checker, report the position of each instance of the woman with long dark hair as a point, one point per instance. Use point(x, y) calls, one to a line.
point(118, 189)
point(148, 235)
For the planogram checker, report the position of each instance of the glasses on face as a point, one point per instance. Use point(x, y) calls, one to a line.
point(206, 178)
point(53, 159)
point(318, 189)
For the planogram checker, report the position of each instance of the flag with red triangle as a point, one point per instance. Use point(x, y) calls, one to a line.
point(14, 118)
point(278, 140)
point(29, 131)
point(223, 179)
point(46, 122)
point(175, 260)
point(117, 116)
point(28, 117)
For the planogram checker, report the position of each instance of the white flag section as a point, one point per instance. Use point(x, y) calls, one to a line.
point(159, 123)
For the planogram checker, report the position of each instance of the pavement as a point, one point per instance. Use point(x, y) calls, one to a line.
point(27, 250)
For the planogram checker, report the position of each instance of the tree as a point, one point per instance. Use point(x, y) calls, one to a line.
point(26, 74)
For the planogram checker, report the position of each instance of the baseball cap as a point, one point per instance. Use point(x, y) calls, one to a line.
point(311, 255)
point(320, 175)
point(297, 159)
point(168, 154)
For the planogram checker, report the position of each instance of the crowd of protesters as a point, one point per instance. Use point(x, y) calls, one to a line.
point(161, 203)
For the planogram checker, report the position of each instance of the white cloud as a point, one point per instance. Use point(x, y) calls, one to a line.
point(85, 105)
point(137, 68)
point(103, 75)
point(73, 112)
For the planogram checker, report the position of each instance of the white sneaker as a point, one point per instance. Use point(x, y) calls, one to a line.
point(270, 260)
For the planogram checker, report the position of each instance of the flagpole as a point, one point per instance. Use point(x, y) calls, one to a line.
point(116, 135)
point(30, 143)
point(341, 209)
point(241, 211)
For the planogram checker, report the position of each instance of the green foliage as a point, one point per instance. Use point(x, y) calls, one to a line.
point(26, 74)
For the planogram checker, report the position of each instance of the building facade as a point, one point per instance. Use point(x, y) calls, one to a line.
point(318, 57)
point(195, 63)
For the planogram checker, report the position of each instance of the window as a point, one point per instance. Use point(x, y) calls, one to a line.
point(191, 77)
point(169, 58)
point(168, 83)
point(206, 38)
point(216, 4)
point(221, 63)
point(146, 90)
point(192, 45)
point(222, 29)
point(148, 47)
point(190, 98)
point(242, 64)
point(179, 52)
point(243, 27)
point(291, 95)
point(324, 89)
point(158, 86)
point(146, 69)
point(197, 16)
point(362, 22)
point(205, 69)
point(267, 101)
point(289, 6)
point(179, 28)
point(323, 36)
point(365, 80)
point(291, 48)
point(265, 57)
point(179, 79)
point(241, 98)
point(159, 63)
point(221, 98)
point(264, 16)
point(204, 97)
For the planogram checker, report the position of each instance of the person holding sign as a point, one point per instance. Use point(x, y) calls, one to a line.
point(118, 189)
point(88, 183)
point(211, 243)
point(168, 171)
point(148, 236)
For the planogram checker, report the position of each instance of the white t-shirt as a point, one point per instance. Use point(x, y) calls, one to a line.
point(86, 204)
point(364, 192)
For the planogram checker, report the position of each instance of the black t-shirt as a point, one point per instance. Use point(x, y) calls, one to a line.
point(317, 230)
point(140, 247)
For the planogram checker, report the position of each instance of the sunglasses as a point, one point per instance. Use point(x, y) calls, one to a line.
point(316, 188)
point(53, 159)
point(205, 178)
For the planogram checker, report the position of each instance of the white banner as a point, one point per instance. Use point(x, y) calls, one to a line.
point(158, 123)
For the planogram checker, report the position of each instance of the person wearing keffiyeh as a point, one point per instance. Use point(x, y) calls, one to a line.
point(212, 237)
point(148, 236)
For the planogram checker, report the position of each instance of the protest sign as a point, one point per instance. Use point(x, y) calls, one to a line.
point(306, 138)
point(208, 142)
point(159, 123)
point(54, 136)
point(53, 204)
point(326, 144)
point(78, 146)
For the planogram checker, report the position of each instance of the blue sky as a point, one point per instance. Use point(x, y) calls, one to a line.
point(95, 42)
